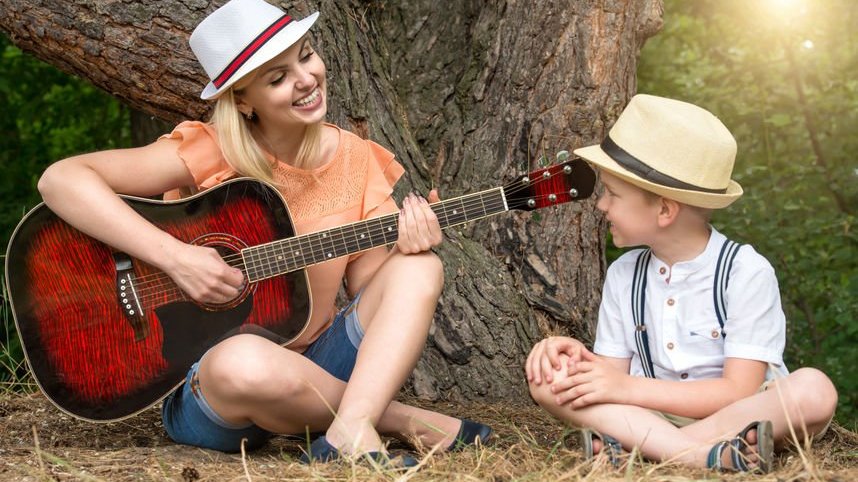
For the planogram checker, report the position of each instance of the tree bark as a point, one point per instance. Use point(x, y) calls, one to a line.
point(466, 93)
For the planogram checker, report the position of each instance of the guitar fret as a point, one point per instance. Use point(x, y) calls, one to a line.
point(281, 258)
point(363, 240)
point(317, 254)
point(390, 231)
point(482, 205)
point(347, 245)
point(457, 215)
point(299, 249)
point(376, 232)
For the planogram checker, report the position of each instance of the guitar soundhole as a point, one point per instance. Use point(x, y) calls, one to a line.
point(229, 247)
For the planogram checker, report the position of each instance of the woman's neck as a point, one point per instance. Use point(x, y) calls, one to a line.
point(282, 144)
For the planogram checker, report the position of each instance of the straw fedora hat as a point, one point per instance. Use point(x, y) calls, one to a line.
point(671, 148)
point(240, 36)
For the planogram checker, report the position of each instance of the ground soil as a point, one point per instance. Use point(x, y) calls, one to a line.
point(38, 442)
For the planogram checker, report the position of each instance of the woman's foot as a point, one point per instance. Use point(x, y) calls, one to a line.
point(470, 433)
point(322, 451)
point(354, 437)
point(447, 433)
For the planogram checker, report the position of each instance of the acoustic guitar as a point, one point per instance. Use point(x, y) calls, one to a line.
point(107, 336)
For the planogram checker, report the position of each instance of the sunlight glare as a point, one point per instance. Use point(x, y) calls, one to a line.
point(787, 10)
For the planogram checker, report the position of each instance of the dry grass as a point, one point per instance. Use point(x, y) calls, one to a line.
point(39, 443)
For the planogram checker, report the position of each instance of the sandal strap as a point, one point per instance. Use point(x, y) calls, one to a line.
point(611, 447)
point(713, 460)
point(738, 445)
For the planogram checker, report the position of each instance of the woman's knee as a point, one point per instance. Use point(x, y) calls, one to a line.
point(422, 273)
point(243, 367)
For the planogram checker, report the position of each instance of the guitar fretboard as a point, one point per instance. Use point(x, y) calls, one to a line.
point(292, 254)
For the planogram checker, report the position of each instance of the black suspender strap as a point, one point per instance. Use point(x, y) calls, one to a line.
point(638, 310)
point(722, 277)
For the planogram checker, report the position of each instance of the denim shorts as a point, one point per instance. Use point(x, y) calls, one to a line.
point(189, 419)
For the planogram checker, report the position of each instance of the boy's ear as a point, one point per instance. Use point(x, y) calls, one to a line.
point(668, 212)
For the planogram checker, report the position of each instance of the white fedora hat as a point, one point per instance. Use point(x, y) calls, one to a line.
point(240, 36)
point(671, 148)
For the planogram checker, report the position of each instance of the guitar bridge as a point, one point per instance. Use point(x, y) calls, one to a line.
point(127, 296)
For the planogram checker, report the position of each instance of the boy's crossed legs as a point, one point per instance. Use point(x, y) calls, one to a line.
point(805, 400)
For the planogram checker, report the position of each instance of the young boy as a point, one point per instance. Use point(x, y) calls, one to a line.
point(691, 333)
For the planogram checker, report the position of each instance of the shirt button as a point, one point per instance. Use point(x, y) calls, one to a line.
point(670, 346)
point(715, 333)
point(670, 302)
point(662, 270)
point(683, 376)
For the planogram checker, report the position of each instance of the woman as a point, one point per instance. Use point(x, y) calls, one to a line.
point(270, 92)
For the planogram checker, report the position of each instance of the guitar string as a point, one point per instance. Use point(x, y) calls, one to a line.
point(349, 238)
point(149, 287)
point(152, 289)
point(141, 281)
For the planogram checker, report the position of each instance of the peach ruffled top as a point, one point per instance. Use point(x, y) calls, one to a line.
point(355, 184)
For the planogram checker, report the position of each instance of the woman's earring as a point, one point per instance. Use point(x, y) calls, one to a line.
point(249, 115)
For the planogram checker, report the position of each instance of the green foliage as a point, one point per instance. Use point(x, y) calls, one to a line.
point(47, 115)
point(781, 75)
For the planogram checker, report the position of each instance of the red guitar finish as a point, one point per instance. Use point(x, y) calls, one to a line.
point(107, 336)
point(85, 352)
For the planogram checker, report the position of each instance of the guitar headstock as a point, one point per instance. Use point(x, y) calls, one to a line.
point(566, 181)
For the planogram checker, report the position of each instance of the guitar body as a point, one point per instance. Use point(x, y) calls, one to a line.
point(99, 359)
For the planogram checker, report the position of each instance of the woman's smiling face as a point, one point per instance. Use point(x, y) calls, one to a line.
point(289, 90)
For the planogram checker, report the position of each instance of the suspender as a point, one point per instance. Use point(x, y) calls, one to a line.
point(719, 289)
point(722, 276)
point(638, 309)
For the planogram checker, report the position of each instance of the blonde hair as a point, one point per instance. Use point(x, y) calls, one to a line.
point(240, 148)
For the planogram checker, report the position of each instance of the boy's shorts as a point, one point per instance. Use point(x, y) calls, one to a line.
point(189, 419)
point(680, 421)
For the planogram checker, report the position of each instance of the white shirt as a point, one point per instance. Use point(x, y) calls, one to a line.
point(684, 335)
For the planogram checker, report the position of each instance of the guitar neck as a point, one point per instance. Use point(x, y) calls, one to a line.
point(295, 253)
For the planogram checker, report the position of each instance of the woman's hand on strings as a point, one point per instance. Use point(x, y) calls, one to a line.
point(203, 275)
point(419, 230)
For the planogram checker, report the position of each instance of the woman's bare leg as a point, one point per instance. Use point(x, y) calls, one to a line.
point(249, 379)
point(396, 309)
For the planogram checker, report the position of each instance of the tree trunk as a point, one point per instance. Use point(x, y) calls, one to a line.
point(467, 94)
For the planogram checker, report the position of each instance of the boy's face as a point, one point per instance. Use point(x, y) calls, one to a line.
point(632, 213)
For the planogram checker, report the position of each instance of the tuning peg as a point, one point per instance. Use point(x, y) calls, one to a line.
point(543, 161)
point(562, 155)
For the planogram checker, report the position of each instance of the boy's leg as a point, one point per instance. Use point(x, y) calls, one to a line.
point(632, 426)
point(803, 402)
